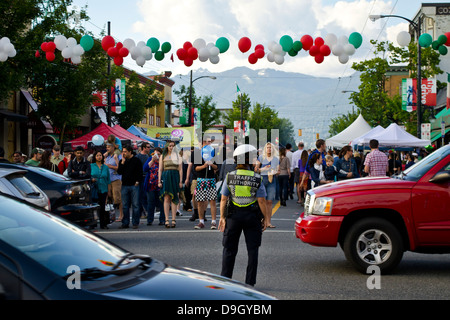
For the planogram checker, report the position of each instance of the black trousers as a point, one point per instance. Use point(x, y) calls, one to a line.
point(250, 224)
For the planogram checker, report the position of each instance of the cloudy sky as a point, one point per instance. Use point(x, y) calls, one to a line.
point(263, 21)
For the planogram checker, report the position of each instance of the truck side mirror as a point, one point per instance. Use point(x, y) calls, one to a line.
point(440, 177)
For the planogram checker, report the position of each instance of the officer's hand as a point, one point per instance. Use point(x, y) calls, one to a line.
point(264, 224)
point(222, 223)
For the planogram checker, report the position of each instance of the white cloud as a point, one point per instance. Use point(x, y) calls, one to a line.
point(262, 21)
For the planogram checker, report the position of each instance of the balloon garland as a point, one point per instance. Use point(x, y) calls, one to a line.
point(318, 48)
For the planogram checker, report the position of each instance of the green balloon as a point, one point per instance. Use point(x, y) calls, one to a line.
point(159, 55)
point(153, 43)
point(435, 45)
point(355, 39)
point(442, 39)
point(443, 50)
point(425, 40)
point(297, 46)
point(166, 47)
point(293, 52)
point(286, 43)
point(87, 42)
point(223, 44)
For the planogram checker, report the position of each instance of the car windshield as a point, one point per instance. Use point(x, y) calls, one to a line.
point(22, 184)
point(416, 171)
point(52, 241)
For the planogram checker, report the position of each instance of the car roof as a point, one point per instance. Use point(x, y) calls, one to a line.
point(38, 170)
point(7, 171)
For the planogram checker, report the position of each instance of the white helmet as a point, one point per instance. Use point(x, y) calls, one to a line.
point(243, 149)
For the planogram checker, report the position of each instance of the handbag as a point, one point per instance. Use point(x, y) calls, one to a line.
point(94, 192)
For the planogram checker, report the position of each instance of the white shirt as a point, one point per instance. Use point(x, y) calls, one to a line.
point(289, 156)
point(295, 157)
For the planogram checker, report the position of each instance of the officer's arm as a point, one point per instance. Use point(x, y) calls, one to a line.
point(262, 206)
point(222, 221)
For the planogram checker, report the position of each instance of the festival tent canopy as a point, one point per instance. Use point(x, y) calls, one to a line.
point(365, 138)
point(345, 137)
point(394, 136)
point(104, 130)
point(139, 133)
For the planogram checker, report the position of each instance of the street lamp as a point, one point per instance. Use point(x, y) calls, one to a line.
point(190, 93)
point(417, 27)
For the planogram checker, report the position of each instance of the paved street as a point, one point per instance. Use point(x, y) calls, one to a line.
point(288, 269)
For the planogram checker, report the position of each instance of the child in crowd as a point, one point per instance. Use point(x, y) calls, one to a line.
point(116, 141)
point(330, 170)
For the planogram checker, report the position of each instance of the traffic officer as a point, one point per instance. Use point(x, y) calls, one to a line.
point(242, 208)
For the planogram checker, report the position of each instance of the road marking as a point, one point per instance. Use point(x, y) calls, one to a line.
point(277, 206)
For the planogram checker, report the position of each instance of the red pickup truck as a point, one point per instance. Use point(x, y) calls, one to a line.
point(375, 220)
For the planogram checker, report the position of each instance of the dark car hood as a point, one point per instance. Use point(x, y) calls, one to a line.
point(361, 184)
point(174, 283)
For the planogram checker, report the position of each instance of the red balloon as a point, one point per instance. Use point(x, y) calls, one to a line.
point(319, 41)
point(182, 53)
point(447, 34)
point(50, 56)
point(188, 62)
point(113, 52)
point(314, 50)
point(118, 61)
point(37, 54)
point(119, 45)
point(259, 46)
point(51, 46)
point(325, 50)
point(187, 45)
point(44, 46)
point(108, 42)
point(244, 44)
point(192, 53)
point(259, 53)
point(307, 41)
point(252, 58)
point(123, 52)
point(319, 58)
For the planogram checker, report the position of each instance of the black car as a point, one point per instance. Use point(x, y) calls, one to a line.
point(45, 257)
point(70, 199)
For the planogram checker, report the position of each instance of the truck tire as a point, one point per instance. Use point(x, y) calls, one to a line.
point(373, 242)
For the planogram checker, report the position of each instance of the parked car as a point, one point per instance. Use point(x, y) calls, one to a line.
point(14, 183)
point(43, 256)
point(376, 219)
point(69, 198)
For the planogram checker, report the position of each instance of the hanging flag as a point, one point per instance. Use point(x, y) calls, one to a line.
point(238, 91)
point(448, 90)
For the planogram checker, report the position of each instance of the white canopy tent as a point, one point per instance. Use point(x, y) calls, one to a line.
point(394, 136)
point(365, 138)
point(358, 128)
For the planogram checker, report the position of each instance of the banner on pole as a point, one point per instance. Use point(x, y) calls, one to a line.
point(409, 93)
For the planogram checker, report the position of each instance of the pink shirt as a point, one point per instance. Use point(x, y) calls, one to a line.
point(377, 162)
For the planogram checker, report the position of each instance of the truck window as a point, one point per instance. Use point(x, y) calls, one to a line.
point(417, 171)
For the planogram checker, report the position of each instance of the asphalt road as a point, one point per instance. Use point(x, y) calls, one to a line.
point(288, 269)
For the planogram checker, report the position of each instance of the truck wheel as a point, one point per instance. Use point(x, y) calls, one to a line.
point(374, 242)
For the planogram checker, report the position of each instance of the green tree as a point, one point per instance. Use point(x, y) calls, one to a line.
point(139, 98)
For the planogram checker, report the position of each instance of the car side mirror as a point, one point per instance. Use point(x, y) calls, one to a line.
point(440, 177)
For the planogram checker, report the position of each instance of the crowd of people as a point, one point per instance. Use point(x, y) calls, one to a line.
point(136, 184)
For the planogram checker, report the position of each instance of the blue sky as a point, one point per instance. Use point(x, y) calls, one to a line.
point(263, 21)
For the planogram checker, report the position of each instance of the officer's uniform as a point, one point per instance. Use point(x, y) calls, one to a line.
point(244, 187)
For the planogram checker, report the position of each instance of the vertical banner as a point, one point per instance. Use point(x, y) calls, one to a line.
point(118, 103)
point(409, 93)
point(237, 127)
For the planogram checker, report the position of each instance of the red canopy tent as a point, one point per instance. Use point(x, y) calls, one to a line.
point(104, 130)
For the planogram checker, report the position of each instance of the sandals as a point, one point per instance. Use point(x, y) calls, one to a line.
point(174, 223)
point(167, 224)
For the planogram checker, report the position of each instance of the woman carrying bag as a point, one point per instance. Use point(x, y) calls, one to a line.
point(100, 180)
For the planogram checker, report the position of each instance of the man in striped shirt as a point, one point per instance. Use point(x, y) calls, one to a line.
point(376, 163)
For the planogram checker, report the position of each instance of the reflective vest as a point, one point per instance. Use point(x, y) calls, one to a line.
point(243, 185)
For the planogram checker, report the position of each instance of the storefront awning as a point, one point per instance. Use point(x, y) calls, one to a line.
point(12, 116)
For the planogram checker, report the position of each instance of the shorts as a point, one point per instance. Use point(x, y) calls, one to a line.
point(206, 189)
point(115, 191)
point(271, 187)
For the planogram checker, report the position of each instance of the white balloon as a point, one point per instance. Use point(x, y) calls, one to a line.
point(71, 42)
point(60, 42)
point(199, 44)
point(278, 49)
point(8, 48)
point(330, 39)
point(203, 54)
point(67, 53)
point(214, 59)
point(140, 61)
point(136, 52)
point(210, 45)
point(146, 52)
point(129, 43)
point(343, 58)
point(3, 56)
point(403, 38)
point(76, 59)
point(77, 50)
point(271, 57)
point(279, 59)
point(272, 45)
point(349, 49)
point(98, 140)
point(214, 51)
point(343, 40)
point(12, 53)
point(337, 49)
point(141, 44)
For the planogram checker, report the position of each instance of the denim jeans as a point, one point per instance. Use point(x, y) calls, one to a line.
point(284, 185)
point(130, 198)
point(153, 201)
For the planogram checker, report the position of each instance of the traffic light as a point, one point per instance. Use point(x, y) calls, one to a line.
point(299, 132)
point(317, 136)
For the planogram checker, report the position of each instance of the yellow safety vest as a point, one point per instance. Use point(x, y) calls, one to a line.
point(243, 185)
